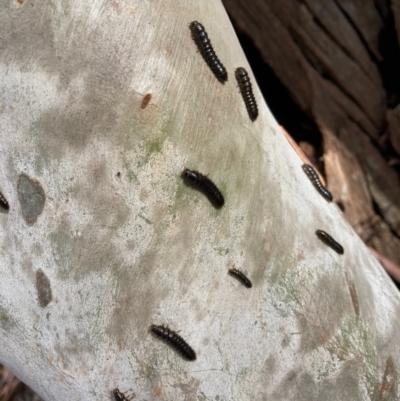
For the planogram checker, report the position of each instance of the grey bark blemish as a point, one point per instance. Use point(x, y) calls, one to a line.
point(31, 197)
point(353, 295)
point(388, 381)
point(145, 101)
point(43, 288)
point(19, 3)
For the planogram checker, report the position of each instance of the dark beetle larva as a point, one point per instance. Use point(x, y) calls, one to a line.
point(119, 396)
point(203, 43)
point(246, 90)
point(3, 202)
point(205, 185)
point(241, 277)
point(175, 341)
point(325, 237)
point(313, 176)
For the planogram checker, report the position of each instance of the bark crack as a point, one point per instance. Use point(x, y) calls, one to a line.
point(318, 22)
point(358, 32)
point(320, 68)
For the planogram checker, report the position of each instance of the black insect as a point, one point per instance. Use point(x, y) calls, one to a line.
point(199, 35)
point(325, 237)
point(175, 341)
point(3, 202)
point(119, 396)
point(241, 277)
point(313, 176)
point(205, 185)
point(243, 80)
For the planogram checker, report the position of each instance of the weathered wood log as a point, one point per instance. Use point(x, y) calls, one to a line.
point(103, 106)
point(393, 127)
point(350, 188)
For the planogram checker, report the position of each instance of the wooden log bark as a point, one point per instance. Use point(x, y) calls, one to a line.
point(393, 127)
point(349, 186)
point(103, 106)
point(367, 22)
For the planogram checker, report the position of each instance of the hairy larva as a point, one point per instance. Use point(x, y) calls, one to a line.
point(313, 176)
point(205, 185)
point(119, 396)
point(241, 277)
point(243, 80)
point(175, 341)
point(203, 43)
point(328, 240)
point(3, 202)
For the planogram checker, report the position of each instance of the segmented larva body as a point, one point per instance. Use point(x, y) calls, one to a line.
point(3, 202)
point(313, 176)
point(241, 277)
point(119, 396)
point(328, 240)
point(175, 341)
point(243, 80)
point(203, 43)
point(205, 185)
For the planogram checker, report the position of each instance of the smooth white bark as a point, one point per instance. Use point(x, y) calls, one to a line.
point(125, 244)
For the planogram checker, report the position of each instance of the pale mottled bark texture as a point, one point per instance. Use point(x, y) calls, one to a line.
point(103, 238)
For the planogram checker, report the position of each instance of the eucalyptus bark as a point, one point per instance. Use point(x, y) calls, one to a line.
point(103, 104)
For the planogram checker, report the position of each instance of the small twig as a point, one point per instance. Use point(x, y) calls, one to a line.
point(392, 269)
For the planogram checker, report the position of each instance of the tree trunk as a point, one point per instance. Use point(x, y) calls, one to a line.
point(103, 105)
